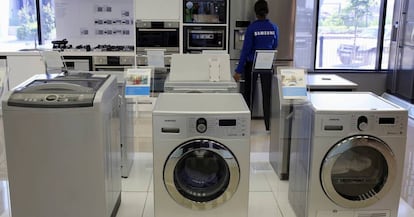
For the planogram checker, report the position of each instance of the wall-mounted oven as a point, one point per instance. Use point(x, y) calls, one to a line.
point(113, 63)
point(205, 11)
point(198, 38)
point(160, 35)
point(157, 35)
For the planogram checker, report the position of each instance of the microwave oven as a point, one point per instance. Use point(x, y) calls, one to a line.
point(199, 38)
point(205, 11)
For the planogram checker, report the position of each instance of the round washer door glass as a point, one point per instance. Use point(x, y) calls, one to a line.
point(359, 168)
point(201, 174)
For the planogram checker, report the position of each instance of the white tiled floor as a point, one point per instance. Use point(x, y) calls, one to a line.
point(268, 195)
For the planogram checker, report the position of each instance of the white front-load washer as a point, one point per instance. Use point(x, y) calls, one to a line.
point(201, 155)
point(347, 159)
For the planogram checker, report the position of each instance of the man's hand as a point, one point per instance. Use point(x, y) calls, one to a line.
point(237, 77)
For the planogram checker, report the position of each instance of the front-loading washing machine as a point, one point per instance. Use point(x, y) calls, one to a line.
point(347, 156)
point(201, 155)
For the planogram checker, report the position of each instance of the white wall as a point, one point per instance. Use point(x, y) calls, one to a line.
point(75, 21)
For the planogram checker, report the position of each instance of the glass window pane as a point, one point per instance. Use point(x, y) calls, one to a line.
point(18, 24)
point(304, 28)
point(387, 34)
point(48, 26)
point(347, 34)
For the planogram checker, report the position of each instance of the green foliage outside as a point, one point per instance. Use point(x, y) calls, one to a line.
point(28, 28)
point(355, 15)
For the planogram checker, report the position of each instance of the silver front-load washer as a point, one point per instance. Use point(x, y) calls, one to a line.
point(347, 156)
point(201, 155)
point(62, 147)
point(281, 116)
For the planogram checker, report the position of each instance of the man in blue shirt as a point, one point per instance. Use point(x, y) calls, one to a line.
point(262, 34)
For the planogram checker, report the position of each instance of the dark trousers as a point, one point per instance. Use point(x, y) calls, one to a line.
point(250, 83)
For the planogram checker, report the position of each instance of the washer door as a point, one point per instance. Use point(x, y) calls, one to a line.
point(201, 174)
point(358, 171)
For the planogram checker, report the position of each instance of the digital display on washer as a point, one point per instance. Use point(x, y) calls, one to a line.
point(386, 121)
point(227, 122)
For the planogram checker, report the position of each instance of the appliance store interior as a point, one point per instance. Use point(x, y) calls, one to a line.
point(176, 108)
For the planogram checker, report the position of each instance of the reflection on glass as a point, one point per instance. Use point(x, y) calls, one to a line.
point(359, 173)
point(201, 175)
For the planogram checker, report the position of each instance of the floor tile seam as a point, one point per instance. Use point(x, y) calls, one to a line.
point(145, 205)
point(277, 203)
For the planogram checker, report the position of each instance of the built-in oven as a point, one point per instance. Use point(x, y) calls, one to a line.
point(78, 63)
point(205, 11)
point(157, 34)
point(199, 38)
point(113, 63)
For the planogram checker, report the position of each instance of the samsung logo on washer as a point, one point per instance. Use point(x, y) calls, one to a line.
point(264, 33)
point(170, 120)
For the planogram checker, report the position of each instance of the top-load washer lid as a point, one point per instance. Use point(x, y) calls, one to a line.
point(59, 92)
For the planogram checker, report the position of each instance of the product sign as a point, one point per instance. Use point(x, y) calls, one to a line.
point(293, 82)
point(138, 82)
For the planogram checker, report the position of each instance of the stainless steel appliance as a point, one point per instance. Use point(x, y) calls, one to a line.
point(205, 11)
point(348, 156)
point(125, 116)
point(282, 14)
point(281, 117)
point(156, 34)
point(199, 38)
point(68, 161)
point(401, 65)
point(201, 155)
point(113, 63)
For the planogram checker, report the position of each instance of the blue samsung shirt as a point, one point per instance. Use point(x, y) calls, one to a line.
point(260, 35)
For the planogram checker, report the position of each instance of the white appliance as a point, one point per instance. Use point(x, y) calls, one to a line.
point(201, 155)
point(62, 147)
point(347, 158)
point(200, 73)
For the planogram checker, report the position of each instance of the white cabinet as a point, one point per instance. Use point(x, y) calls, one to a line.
point(22, 67)
point(157, 9)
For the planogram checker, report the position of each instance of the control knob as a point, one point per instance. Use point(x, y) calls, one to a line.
point(362, 123)
point(201, 125)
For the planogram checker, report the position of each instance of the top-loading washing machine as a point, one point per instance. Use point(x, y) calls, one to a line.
point(202, 73)
point(201, 155)
point(347, 156)
point(126, 117)
point(62, 147)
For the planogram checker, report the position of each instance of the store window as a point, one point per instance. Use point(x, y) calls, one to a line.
point(350, 34)
point(19, 26)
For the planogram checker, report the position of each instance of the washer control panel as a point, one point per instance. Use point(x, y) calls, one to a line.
point(51, 100)
point(382, 123)
point(220, 126)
